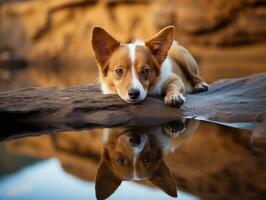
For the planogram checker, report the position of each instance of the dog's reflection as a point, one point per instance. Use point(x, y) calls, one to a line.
point(137, 153)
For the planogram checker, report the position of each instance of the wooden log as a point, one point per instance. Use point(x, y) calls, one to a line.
point(238, 103)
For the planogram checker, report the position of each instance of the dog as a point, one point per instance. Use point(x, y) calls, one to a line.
point(137, 153)
point(158, 66)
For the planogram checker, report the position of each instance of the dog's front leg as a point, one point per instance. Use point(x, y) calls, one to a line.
point(174, 91)
point(173, 129)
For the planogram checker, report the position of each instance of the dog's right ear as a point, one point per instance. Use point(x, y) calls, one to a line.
point(103, 45)
point(106, 181)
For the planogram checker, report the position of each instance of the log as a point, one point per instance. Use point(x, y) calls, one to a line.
point(238, 103)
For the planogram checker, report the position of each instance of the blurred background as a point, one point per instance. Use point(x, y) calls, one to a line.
point(47, 43)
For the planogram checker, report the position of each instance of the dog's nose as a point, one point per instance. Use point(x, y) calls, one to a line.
point(134, 141)
point(133, 93)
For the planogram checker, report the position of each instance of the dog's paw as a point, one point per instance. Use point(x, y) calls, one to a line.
point(173, 129)
point(201, 87)
point(174, 99)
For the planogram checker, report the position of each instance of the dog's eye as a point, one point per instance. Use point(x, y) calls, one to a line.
point(121, 161)
point(146, 160)
point(145, 71)
point(119, 72)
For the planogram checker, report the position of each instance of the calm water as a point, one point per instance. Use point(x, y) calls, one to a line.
point(204, 161)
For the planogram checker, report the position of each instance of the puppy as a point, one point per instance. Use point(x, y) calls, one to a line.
point(158, 66)
point(137, 153)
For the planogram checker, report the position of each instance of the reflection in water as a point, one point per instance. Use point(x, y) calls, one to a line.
point(137, 153)
point(215, 162)
point(47, 180)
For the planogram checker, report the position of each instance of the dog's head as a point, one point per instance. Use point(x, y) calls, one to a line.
point(130, 69)
point(132, 154)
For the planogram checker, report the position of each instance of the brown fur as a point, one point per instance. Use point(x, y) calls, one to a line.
point(113, 56)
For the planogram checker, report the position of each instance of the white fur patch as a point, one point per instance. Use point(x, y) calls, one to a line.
point(106, 134)
point(136, 84)
point(105, 89)
point(139, 42)
point(175, 44)
point(166, 70)
point(132, 51)
point(137, 150)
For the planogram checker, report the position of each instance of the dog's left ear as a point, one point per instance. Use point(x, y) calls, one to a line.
point(103, 45)
point(106, 181)
point(160, 44)
point(163, 179)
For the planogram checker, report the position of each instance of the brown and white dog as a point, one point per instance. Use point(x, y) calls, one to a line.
point(138, 153)
point(158, 66)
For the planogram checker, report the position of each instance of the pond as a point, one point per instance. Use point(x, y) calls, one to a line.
point(198, 159)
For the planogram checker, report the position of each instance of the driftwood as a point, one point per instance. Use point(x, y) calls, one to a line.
point(31, 111)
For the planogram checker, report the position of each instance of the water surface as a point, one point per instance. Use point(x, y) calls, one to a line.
point(206, 161)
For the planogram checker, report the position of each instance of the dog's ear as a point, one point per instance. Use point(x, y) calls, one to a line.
point(163, 179)
point(160, 44)
point(103, 45)
point(106, 181)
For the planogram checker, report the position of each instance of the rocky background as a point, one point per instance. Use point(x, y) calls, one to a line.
point(47, 43)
